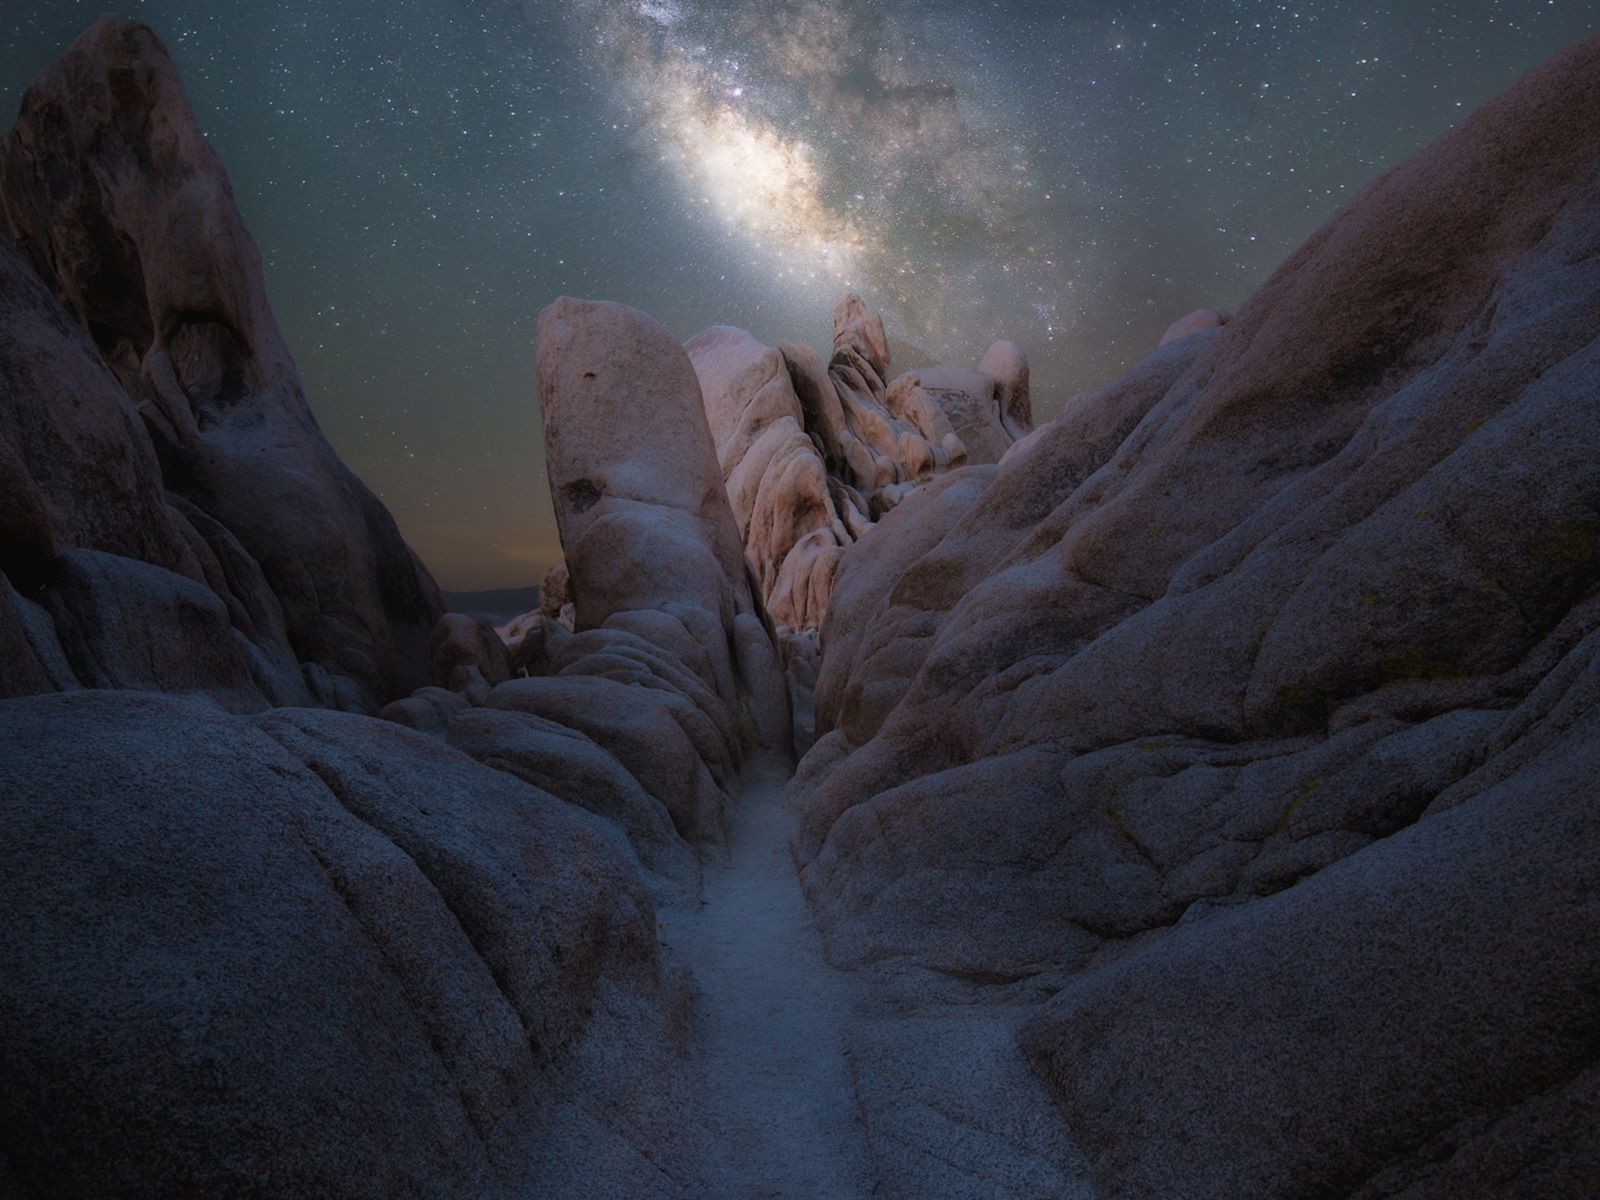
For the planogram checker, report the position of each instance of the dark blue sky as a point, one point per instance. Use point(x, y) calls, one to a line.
point(423, 178)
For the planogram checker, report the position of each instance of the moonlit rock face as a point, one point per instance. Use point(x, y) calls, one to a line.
point(1006, 364)
point(629, 449)
point(1201, 318)
point(638, 493)
point(859, 331)
point(971, 402)
point(811, 457)
point(776, 480)
point(1247, 708)
point(110, 190)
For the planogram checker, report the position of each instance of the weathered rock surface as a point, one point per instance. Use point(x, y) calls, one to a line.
point(1243, 708)
point(776, 481)
point(111, 193)
point(117, 570)
point(1407, 1018)
point(305, 954)
point(1201, 318)
point(812, 455)
point(646, 713)
point(640, 505)
point(555, 596)
point(467, 648)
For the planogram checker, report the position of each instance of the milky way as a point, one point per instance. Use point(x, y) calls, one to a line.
point(423, 178)
point(847, 148)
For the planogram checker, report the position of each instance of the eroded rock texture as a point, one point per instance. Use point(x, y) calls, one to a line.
point(645, 711)
point(812, 454)
point(307, 953)
point(1245, 709)
point(214, 469)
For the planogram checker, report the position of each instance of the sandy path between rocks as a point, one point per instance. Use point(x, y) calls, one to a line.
point(770, 1051)
point(808, 1086)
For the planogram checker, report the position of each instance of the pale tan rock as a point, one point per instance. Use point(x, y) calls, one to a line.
point(745, 388)
point(811, 457)
point(858, 337)
point(1201, 318)
point(972, 403)
point(907, 400)
point(1006, 364)
point(639, 497)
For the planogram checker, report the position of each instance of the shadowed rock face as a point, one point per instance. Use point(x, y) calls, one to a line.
point(308, 953)
point(110, 191)
point(1231, 698)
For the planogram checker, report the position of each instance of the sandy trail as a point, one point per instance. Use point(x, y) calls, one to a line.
point(772, 1056)
point(808, 1085)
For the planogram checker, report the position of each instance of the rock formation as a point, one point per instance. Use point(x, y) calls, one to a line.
point(112, 194)
point(812, 456)
point(1218, 756)
point(300, 954)
point(1201, 318)
point(671, 675)
point(1243, 712)
point(651, 545)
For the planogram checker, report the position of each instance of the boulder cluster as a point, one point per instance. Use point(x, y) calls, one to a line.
point(812, 456)
point(257, 946)
point(1233, 735)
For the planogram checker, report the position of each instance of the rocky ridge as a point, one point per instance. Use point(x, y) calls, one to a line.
point(1228, 713)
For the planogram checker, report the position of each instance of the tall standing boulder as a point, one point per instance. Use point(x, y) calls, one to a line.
point(776, 478)
point(111, 192)
point(640, 504)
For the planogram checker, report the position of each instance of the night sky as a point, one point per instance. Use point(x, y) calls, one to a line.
point(1073, 175)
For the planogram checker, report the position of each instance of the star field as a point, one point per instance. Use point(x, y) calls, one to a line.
point(1073, 175)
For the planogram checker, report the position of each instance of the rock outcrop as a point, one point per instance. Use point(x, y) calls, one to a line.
point(1244, 709)
point(299, 952)
point(813, 455)
point(646, 709)
point(306, 953)
point(1201, 318)
point(777, 484)
point(651, 545)
point(115, 199)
